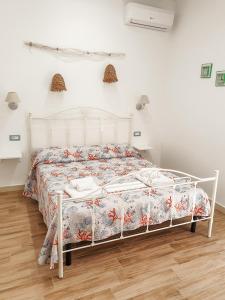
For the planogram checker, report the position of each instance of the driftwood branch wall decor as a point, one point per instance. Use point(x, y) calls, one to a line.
point(110, 74)
point(73, 51)
point(58, 84)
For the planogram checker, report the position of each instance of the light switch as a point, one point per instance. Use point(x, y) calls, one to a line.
point(14, 137)
point(137, 133)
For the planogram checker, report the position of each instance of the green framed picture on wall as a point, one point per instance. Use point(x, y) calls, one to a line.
point(206, 70)
point(220, 78)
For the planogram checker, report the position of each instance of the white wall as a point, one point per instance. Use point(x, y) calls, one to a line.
point(85, 24)
point(193, 109)
point(164, 4)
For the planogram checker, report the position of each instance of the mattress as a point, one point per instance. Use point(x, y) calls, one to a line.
point(52, 168)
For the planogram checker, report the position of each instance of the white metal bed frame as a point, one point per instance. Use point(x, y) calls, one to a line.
point(84, 115)
point(61, 128)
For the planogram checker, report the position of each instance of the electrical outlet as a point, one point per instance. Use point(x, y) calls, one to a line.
point(137, 133)
point(14, 137)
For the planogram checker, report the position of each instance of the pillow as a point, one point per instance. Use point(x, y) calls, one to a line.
point(82, 153)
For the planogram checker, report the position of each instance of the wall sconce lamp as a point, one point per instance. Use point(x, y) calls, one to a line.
point(13, 100)
point(142, 102)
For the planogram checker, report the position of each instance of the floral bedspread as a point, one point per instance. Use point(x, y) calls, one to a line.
point(52, 168)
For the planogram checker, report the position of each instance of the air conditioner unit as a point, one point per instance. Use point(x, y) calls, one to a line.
point(148, 17)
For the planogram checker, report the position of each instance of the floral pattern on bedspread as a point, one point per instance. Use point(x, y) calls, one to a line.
point(52, 169)
point(73, 154)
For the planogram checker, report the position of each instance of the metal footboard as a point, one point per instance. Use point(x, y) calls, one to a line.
point(195, 181)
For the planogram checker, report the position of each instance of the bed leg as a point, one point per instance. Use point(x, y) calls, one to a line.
point(68, 254)
point(194, 224)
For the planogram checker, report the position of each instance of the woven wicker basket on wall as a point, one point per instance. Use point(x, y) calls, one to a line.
point(58, 83)
point(110, 74)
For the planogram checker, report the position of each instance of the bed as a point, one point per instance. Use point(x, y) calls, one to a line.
point(103, 152)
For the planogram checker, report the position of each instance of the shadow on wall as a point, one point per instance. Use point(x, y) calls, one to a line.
point(151, 135)
point(54, 99)
point(165, 4)
point(8, 118)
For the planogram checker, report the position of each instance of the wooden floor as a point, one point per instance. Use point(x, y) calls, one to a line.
point(174, 264)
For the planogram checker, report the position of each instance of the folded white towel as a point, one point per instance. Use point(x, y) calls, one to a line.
point(82, 196)
point(153, 177)
point(125, 186)
point(162, 180)
point(98, 192)
point(84, 184)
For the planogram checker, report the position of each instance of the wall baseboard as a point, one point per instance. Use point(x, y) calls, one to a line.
point(220, 208)
point(11, 188)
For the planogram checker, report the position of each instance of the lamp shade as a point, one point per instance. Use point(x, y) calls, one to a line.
point(142, 102)
point(144, 99)
point(12, 97)
point(58, 83)
point(13, 100)
point(110, 74)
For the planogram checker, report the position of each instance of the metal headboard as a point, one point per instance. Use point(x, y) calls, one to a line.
point(79, 126)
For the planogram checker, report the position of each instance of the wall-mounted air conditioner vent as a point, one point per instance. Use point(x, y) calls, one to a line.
point(148, 17)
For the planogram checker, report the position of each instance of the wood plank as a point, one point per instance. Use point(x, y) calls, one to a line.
point(11, 188)
point(175, 264)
